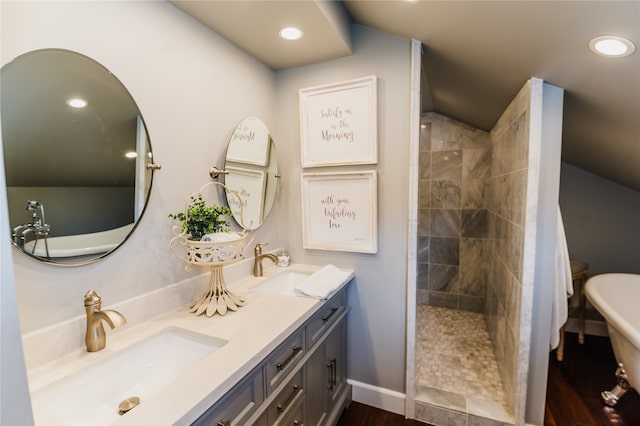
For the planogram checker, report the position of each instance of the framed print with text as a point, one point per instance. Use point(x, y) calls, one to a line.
point(339, 211)
point(338, 123)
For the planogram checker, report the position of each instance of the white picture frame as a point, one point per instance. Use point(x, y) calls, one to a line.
point(338, 123)
point(339, 211)
point(250, 187)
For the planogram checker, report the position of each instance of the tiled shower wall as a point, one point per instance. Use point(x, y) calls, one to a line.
point(453, 220)
point(472, 192)
point(507, 218)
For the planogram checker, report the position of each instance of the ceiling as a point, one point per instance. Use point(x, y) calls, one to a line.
point(477, 55)
point(47, 143)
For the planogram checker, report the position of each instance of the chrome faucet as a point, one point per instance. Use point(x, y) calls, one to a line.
point(37, 229)
point(258, 256)
point(96, 338)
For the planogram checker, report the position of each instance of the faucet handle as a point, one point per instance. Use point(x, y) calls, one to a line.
point(92, 298)
point(258, 248)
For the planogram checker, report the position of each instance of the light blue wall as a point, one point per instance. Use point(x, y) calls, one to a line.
point(378, 295)
point(601, 220)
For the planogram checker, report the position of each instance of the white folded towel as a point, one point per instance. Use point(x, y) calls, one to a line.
point(219, 237)
point(563, 285)
point(322, 284)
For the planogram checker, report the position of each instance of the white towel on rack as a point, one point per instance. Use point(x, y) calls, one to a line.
point(323, 283)
point(563, 285)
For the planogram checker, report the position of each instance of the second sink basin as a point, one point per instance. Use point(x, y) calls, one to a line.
point(283, 283)
point(93, 394)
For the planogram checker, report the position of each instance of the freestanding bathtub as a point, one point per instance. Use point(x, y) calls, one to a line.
point(81, 244)
point(617, 298)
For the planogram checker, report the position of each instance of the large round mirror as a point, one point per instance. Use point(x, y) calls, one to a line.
point(251, 169)
point(77, 157)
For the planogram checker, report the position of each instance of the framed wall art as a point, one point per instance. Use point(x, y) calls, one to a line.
point(338, 123)
point(339, 211)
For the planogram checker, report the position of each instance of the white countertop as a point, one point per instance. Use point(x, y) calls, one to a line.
point(252, 332)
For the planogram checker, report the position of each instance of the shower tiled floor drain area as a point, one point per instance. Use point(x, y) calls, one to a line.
point(455, 365)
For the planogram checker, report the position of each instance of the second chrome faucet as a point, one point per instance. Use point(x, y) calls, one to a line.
point(96, 338)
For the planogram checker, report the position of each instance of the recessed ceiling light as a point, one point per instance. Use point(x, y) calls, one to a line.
point(613, 46)
point(290, 33)
point(77, 102)
point(131, 154)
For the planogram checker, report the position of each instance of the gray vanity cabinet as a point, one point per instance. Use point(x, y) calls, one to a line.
point(302, 382)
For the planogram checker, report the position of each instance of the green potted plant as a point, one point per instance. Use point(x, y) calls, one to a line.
point(201, 219)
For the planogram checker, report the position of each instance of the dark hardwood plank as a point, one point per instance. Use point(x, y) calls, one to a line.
point(574, 386)
point(363, 415)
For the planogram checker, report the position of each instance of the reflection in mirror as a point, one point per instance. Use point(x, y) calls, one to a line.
point(252, 171)
point(77, 157)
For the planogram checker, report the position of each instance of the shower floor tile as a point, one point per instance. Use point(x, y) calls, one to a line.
point(454, 357)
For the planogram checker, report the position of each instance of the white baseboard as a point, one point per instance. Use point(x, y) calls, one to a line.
point(591, 327)
point(378, 397)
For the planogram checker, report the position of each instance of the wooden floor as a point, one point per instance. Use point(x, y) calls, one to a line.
point(574, 386)
point(573, 392)
point(363, 415)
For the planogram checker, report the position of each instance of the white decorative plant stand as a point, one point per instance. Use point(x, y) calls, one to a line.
point(215, 255)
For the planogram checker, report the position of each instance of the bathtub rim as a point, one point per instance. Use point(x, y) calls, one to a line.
point(105, 238)
point(593, 291)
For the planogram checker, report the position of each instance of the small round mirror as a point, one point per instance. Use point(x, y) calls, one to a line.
point(252, 173)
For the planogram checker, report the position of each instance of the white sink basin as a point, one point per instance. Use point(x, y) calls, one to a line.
point(283, 283)
point(93, 394)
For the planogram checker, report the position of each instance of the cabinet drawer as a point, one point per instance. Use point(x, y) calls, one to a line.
point(295, 417)
point(262, 420)
point(284, 359)
point(326, 316)
point(287, 401)
point(235, 407)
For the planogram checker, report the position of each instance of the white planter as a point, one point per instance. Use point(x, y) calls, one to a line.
point(227, 247)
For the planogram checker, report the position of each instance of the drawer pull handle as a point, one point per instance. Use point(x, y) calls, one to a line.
point(334, 377)
point(333, 311)
point(282, 365)
point(282, 407)
point(224, 422)
point(331, 365)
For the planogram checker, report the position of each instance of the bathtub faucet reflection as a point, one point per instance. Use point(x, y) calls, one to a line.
point(37, 228)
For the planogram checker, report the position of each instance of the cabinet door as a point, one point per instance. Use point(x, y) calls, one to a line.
point(326, 376)
point(336, 361)
point(317, 383)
